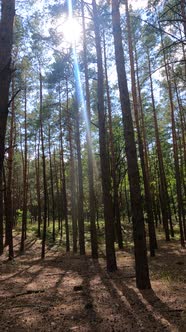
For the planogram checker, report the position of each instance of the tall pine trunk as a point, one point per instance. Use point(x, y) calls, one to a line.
point(141, 262)
point(92, 201)
point(148, 199)
point(63, 178)
point(164, 199)
point(104, 155)
point(9, 194)
point(38, 184)
point(52, 188)
point(43, 166)
point(1, 215)
point(25, 177)
point(175, 149)
point(80, 186)
point(72, 176)
point(6, 40)
point(116, 209)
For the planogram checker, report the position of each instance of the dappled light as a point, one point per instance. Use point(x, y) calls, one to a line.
point(92, 165)
point(66, 292)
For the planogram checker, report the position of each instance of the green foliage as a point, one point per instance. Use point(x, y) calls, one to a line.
point(39, 48)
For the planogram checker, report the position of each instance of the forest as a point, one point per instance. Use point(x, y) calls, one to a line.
point(92, 165)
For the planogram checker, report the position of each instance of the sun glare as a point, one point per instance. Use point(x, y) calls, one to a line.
point(71, 31)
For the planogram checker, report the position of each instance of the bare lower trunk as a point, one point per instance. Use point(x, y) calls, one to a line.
point(52, 190)
point(38, 188)
point(80, 188)
point(1, 216)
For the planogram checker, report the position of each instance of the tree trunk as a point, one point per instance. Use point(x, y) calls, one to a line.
point(72, 178)
point(92, 202)
point(57, 174)
point(148, 199)
point(104, 155)
point(183, 13)
point(80, 186)
point(141, 262)
point(10, 159)
point(175, 150)
point(116, 210)
point(44, 168)
point(6, 40)
point(1, 215)
point(25, 178)
point(52, 188)
point(64, 192)
point(38, 186)
point(164, 200)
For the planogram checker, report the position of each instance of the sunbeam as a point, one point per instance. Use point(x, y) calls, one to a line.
point(79, 89)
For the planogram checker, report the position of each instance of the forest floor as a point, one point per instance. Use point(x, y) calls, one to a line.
point(67, 292)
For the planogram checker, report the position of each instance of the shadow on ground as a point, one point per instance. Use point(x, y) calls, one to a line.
point(67, 292)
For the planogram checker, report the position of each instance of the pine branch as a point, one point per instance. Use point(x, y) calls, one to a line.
point(13, 97)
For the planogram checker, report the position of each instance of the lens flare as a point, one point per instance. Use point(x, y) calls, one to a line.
point(79, 89)
point(71, 30)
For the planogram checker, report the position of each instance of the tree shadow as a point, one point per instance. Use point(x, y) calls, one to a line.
point(172, 315)
point(131, 310)
point(144, 308)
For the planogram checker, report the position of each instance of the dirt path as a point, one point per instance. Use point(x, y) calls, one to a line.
point(73, 293)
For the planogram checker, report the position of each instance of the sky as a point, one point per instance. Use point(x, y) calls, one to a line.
point(138, 4)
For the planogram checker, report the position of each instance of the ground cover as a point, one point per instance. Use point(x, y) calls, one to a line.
point(67, 292)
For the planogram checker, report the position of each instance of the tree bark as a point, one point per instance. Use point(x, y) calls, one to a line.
point(9, 200)
point(148, 199)
point(44, 167)
point(52, 188)
point(72, 176)
point(183, 13)
point(38, 185)
point(92, 201)
point(25, 177)
point(6, 41)
point(175, 149)
point(63, 176)
point(164, 200)
point(80, 186)
point(141, 262)
point(116, 210)
point(104, 156)
point(1, 215)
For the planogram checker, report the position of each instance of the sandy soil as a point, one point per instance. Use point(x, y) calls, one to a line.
point(66, 292)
